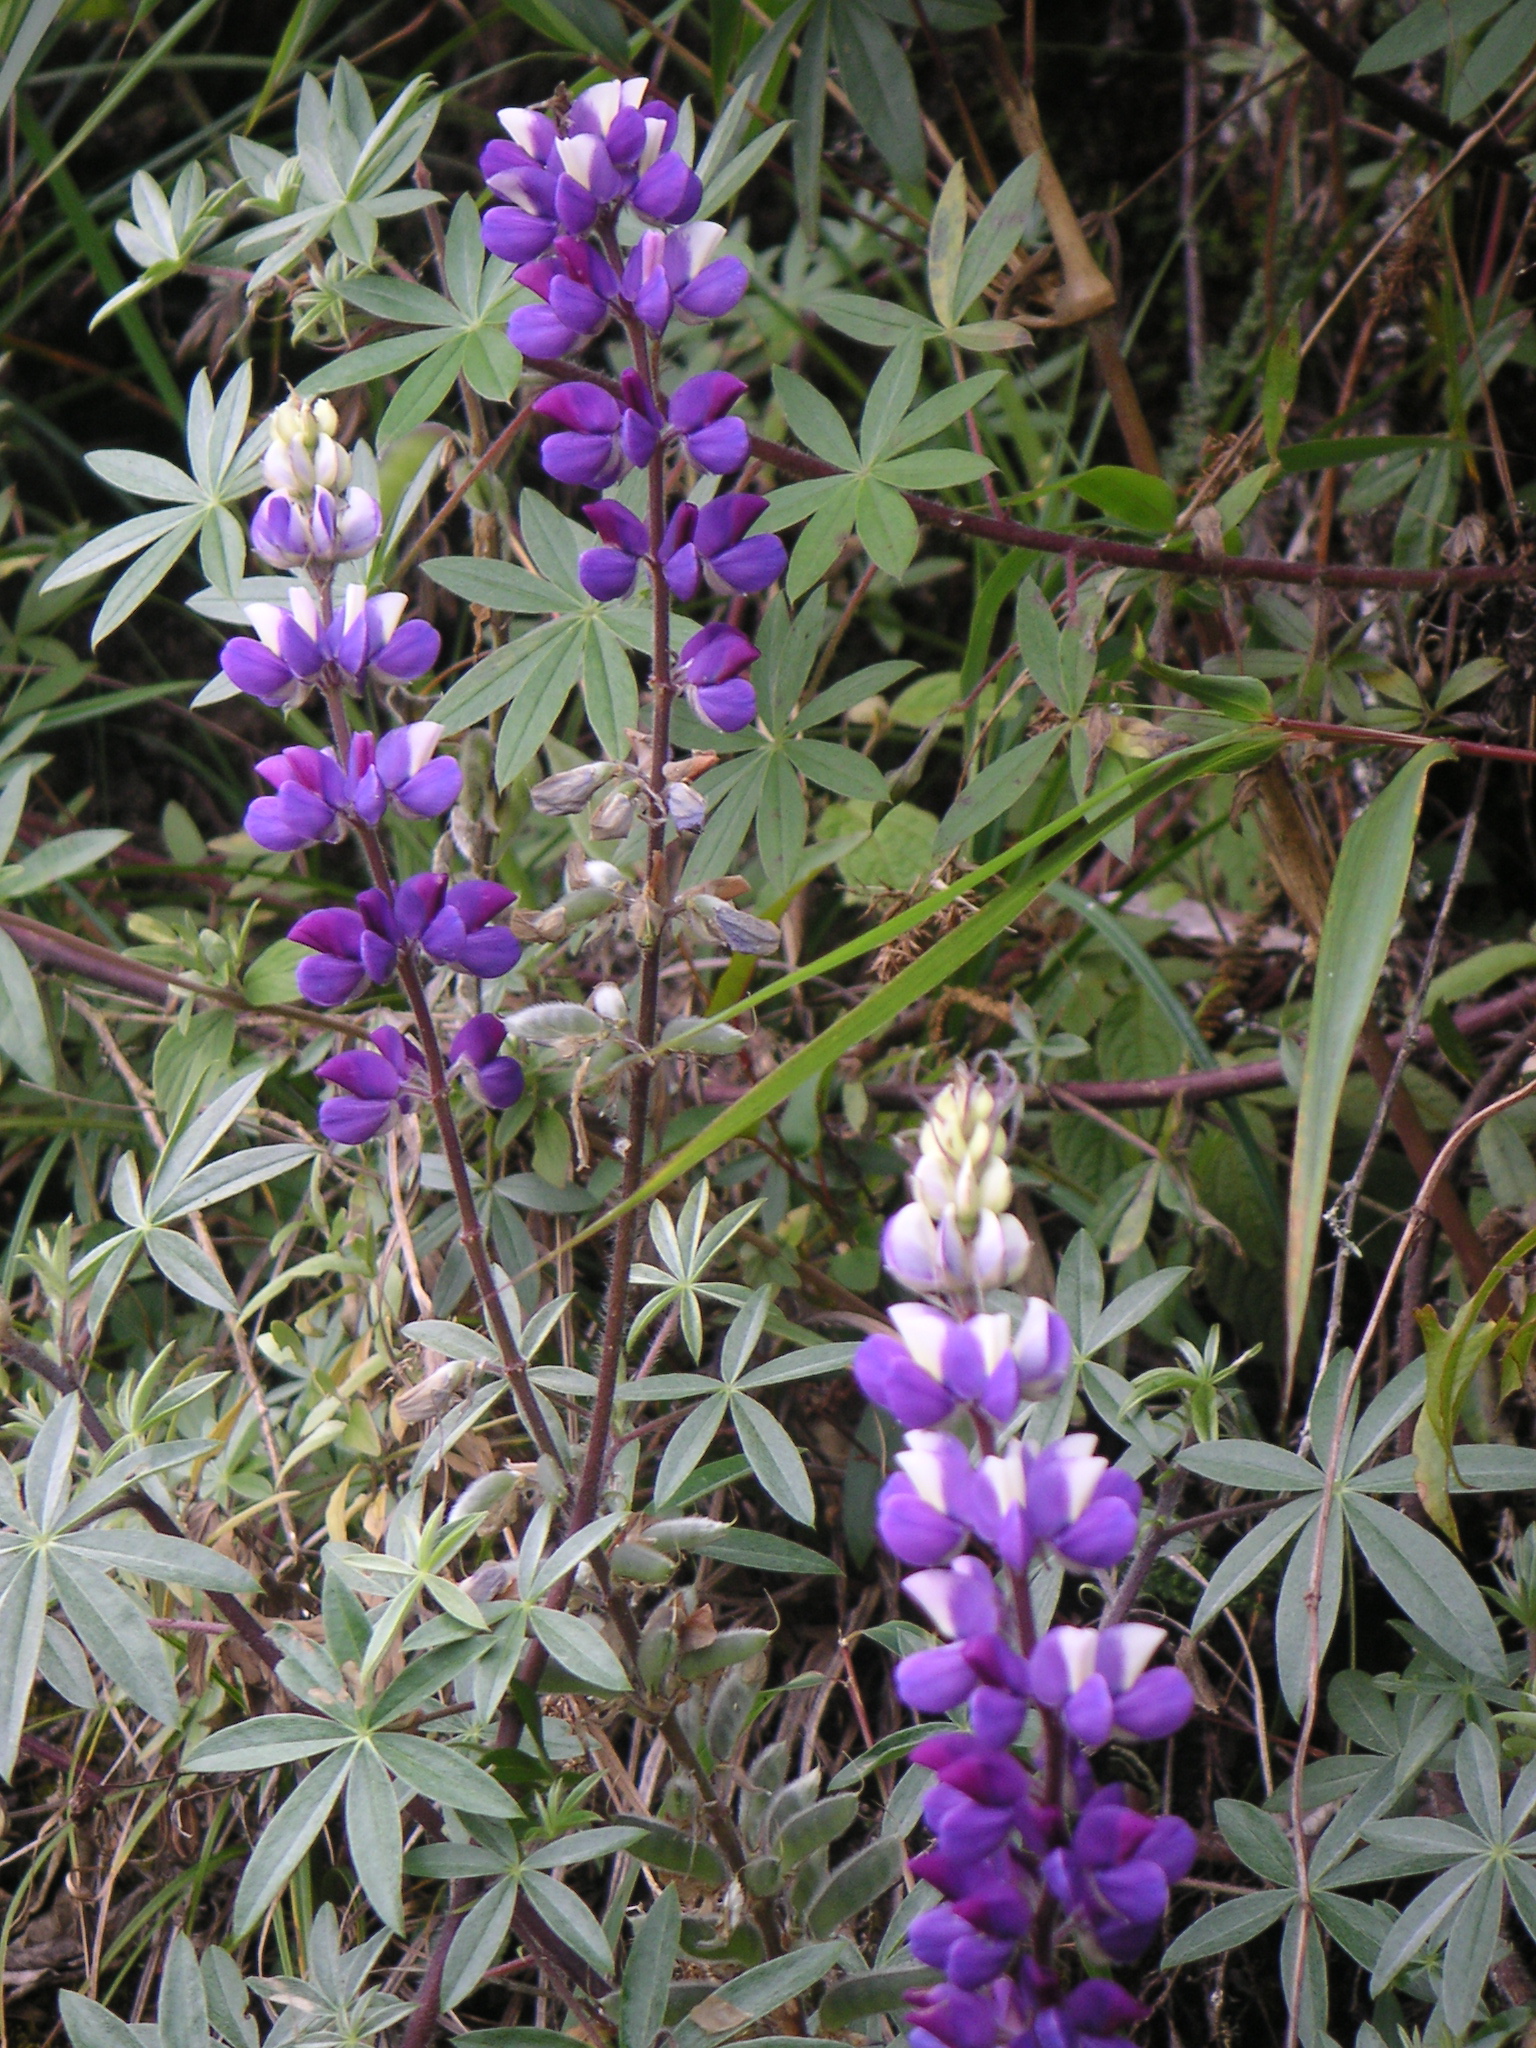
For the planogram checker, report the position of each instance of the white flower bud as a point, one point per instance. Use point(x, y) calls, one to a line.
point(607, 999)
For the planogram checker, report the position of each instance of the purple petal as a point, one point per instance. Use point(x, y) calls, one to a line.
point(417, 901)
point(727, 519)
point(338, 932)
point(638, 437)
point(702, 399)
point(606, 573)
point(500, 1083)
point(719, 287)
point(379, 956)
point(617, 526)
point(728, 707)
point(720, 448)
point(715, 651)
point(575, 205)
point(751, 566)
point(433, 791)
point(487, 953)
point(367, 1074)
point(1158, 1704)
point(515, 236)
point(478, 902)
point(409, 652)
point(889, 1376)
point(1090, 1713)
point(576, 305)
point(536, 331)
point(257, 670)
point(684, 573)
point(583, 408)
point(933, 1681)
point(478, 1041)
point(591, 460)
point(326, 982)
point(348, 1122)
point(669, 191)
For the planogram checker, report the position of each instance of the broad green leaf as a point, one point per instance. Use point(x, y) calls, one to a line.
point(886, 525)
point(1363, 907)
point(286, 1838)
point(946, 246)
point(775, 1462)
point(187, 1266)
point(1001, 228)
point(648, 1972)
point(182, 2010)
point(478, 1943)
point(570, 1917)
point(1263, 1468)
point(878, 81)
point(995, 790)
point(373, 1836)
point(444, 1776)
point(1430, 27)
point(1301, 1643)
point(90, 2025)
point(760, 1991)
point(814, 420)
point(23, 1026)
point(1424, 1577)
point(1127, 498)
point(116, 1635)
point(1226, 1926)
point(1254, 1554)
point(578, 1648)
point(262, 1743)
point(1496, 60)
point(686, 1445)
point(855, 1884)
point(23, 1610)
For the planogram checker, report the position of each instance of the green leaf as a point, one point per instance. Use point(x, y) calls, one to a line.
point(781, 822)
point(570, 1917)
point(1336, 453)
point(445, 1776)
point(1430, 27)
point(1226, 1926)
point(1127, 498)
point(760, 1991)
point(1238, 697)
point(54, 862)
point(755, 1551)
point(608, 686)
point(117, 1636)
point(1262, 1468)
point(855, 1885)
point(808, 106)
point(23, 1610)
point(1425, 1579)
point(24, 1036)
point(90, 2025)
point(875, 322)
point(286, 1839)
point(648, 1972)
point(878, 81)
point(946, 246)
point(839, 769)
point(887, 526)
point(423, 391)
point(1496, 59)
point(1363, 907)
point(264, 1742)
point(1294, 1628)
point(889, 397)
point(814, 420)
point(775, 1462)
point(686, 1445)
point(182, 2011)
point(187, 1266)
point(994, 791)
point(478, 1943)
point(998, 232)
point(863, 1997)
point(373, 1836)
point(578, 1648)
point(1282, 370)
point(1254, 1554)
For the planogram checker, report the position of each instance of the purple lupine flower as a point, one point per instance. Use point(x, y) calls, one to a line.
point(668, 191)
point(1042, 1350)
point(293, 645)
point(645, 285)
point(934, 1256)
point(309, 804)
point(578, 287)
point(709, 669)
point(289, 534)
point(634, 130)
point(609, 572)
point(378, 1087)
point(709, 544)
point(1066, 1496)
point(518, 172)
point(399, 769)
point(944, 2016)
point(587, 450)
point(973, 1807)
point(461, 934)
point(697, 413)
point(1096, 2014)
point(1098, 1680)
point(919, 1508)
point(587, 181)
point(934, 1362)
point(702, 285)
point(350, 948)
point(492, 1077)
point(1113, 1880)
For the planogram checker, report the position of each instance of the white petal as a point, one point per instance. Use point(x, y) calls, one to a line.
point(924, 1466)
point(576, 153)
point(266, 618)
point(923, 1331)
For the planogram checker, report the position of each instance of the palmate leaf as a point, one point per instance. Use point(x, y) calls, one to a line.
point(287, 1837)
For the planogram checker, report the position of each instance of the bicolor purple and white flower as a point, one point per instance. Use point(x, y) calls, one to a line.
point(317, 532)
point(703, 544)
point(710, 669)
point(935, 1363)
point(315, 798)
point(295, 644)
point(1099, 1682)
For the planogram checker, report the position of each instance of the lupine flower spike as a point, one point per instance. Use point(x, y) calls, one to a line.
point(1026, 1845)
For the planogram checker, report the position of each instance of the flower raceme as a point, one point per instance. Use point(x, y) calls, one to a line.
point(314, 513)
point(602, 436)
point(709, 670)
point(491, 1076)
point(703, 544)
point(450, 922)
point(295, 645)
point(377, 1088)
point(315, 797)
point(613, 148)
point(1028, 1847)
